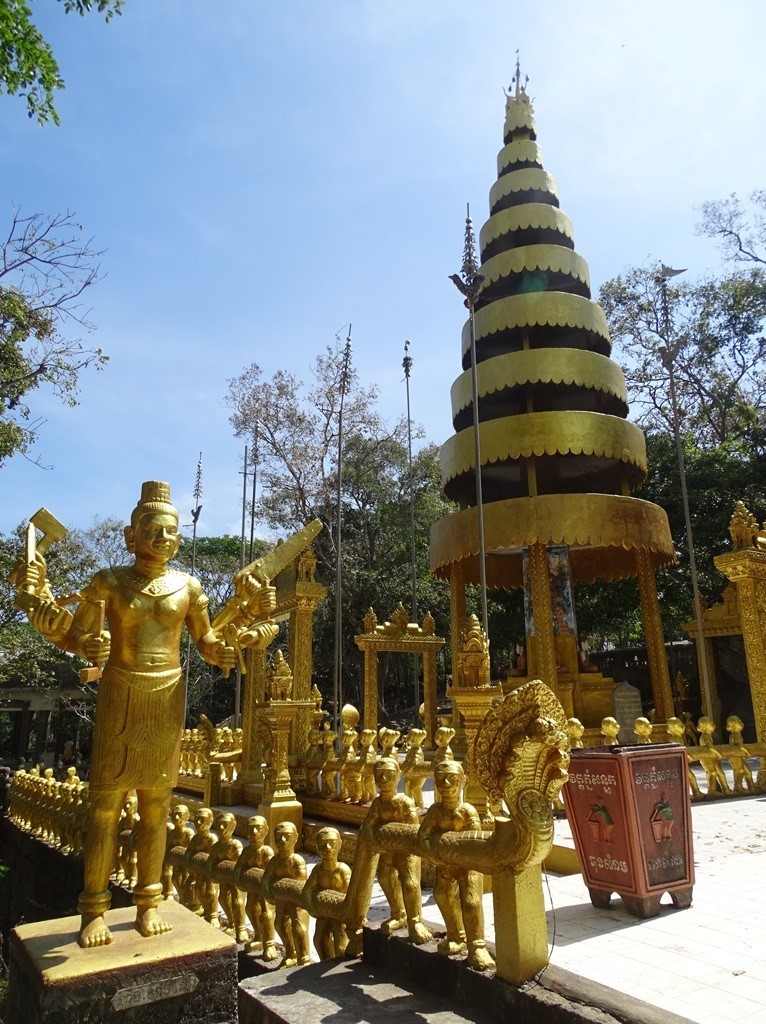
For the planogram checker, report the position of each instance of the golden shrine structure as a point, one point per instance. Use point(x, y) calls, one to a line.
point(741, 612)
point(559, 458)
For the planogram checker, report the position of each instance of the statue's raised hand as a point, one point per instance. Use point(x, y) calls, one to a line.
point(50, 619)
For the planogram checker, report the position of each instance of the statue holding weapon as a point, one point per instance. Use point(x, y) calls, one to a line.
point(129, 623)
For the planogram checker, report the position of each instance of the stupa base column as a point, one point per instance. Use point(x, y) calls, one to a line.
point(542, 659)
point(655, 639)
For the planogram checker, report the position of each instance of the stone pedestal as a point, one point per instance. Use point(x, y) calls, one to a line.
point(183, 977)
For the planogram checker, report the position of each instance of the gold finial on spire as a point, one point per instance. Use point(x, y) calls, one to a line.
point(516, 80)
point(472, 280)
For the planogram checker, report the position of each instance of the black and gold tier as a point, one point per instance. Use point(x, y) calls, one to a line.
point(559, 457)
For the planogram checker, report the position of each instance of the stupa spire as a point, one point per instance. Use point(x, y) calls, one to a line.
point(559, 457)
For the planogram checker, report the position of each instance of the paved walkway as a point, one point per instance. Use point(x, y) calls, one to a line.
point(707, 963)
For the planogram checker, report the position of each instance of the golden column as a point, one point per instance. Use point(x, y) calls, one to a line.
point(654, 638)
point(429, 693)
point(747, 569)
point(255, 697)
point(457, 610)
point(543, 656)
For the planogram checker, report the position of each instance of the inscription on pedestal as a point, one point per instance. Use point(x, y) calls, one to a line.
point(153, 991)
point(627, 708)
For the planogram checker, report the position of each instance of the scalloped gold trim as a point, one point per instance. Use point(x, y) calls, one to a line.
point(554, 309)
point(524, 180)
point(529, 215)
point(533, 366)
point(517, 152)
point(603, 531)
point(519, 114)
point(520, 151)
point(544, 433)
point(536, 257)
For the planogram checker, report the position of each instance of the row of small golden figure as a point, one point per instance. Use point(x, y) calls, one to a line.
point(349, 775)
point(212, 874)
point(196, 747)
point(53, 811)
point(700, 748)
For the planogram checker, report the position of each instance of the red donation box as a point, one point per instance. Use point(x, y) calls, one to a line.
point(630, 815)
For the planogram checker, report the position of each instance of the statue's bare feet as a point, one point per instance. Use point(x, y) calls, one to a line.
point(447, 947)
point(393, 924)
point(419, 934)
point(270, 952)
point(480, 958)
point(304, 960)
point(149, 922)
point(289, 961)
point(254, 946)
point(242, 934)
point(94, 932)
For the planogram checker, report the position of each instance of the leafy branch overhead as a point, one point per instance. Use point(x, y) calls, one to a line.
point(46, 267)
point(716, 344)
point(28, 67)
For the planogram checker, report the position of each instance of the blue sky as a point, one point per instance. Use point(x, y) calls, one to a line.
point(262, 174)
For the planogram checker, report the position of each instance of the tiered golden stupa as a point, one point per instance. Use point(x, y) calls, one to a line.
point(558, 456)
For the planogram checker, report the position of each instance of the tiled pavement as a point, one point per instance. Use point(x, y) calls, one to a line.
point(706, 963)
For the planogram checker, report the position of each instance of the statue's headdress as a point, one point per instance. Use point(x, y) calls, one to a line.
point(155, 498)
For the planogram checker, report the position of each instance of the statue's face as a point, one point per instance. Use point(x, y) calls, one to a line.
point(179, 815)
point(226, 825)
point(258, 828)
point(285, 837)
point(328, 842)
point(155, 536)
point(448, 779)
point(386, 774)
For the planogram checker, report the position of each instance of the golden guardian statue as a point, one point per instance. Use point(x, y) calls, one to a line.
point(140, 704)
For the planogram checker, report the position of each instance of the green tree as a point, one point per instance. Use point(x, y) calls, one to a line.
point(294, 428)
point(715, 334)
point(716, 344)
point(27, 65)
point(46, 267)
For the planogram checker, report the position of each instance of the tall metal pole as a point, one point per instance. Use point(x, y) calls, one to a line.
point(668, 354)
point(338, 680)
point(470, 284)
point(195, 514)
point(407, 365)
point(252, 499)
point(238, 674)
